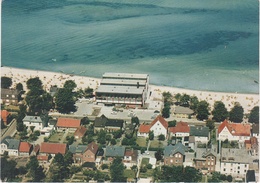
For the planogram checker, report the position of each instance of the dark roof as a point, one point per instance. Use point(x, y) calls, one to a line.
point(199, 131)
point(52, 122)
point(93, 147)
point(115, 151)
point(100, 152)
point(115, 123)
point(250, 176)
point(100, 121)
point(171, 150)
point(77, 148)
point(11, 143)
point(255, 128)
point(132, 153)
point(5, 92)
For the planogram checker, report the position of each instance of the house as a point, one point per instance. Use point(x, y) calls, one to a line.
point(130, 157)
point(255, 131)
point(143, 130)
point(68, 123)
point(9, 96)
point(114, 151)
point(182, 112)
point(42, 159)
point(84, 153)
point(159, 126)
point(200, 133)
point(174, 155)
point(205, 160)
point(25, 149)
point(180, 131)
point(5, 116)
point(80, 132)
point(33, 121)
point(10, 145)
point(252, 145)
point(52, 148)
point(234, 162)
point(109, 125)
point(234, 131)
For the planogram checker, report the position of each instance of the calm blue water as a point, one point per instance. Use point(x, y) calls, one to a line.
point(202, 44)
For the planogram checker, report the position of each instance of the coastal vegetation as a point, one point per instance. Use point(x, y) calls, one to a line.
point(219, 112)
point(254, 115)
point(6, 82)
point(203, 110)
point(236, 114)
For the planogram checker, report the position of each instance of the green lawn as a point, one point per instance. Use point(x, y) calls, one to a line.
point(149, 173)
point(203, 178)
point(141, 141)
point(156, 144)
point(56, 137)
point(145, 161)
point(129, 173)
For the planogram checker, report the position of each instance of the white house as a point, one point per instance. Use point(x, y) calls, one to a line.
point(201, 133)
point(234, 162)
point(35, 121)
point(233, 131)
point(11, 146)
point(159, 126)
point(130, 158)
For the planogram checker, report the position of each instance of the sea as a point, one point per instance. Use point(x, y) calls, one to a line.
point(210, 45)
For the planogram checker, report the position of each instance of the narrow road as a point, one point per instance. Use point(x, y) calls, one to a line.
point(11, 129)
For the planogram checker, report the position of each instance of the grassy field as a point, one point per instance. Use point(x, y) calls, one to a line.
point(129, 173)
point(149, 173)
point(141, 141)
point(56, 137)
point(145, 161)
point(156, 144)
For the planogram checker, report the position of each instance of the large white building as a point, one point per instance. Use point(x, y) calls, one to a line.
point(123, 88)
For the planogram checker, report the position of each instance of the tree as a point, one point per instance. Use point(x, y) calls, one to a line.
point(172, 123)
point(7, 169)
point(113, 141)
point(219, 112)
point(158, 155)
point(33, 83)
point(101, 137)
point(151, 135)
point(194, 101)
point(85, 121)
point(161, 137)
point(19, 87)
point(64, 101)
point(203, 110)
point(185, 100)
point(117, 170)
point(177, 97)
point(20, 117)
point(135, 120)
point(68, 158)
point(166, 112)
point(89, 92)
point(237, 113)
point(254, 115)
point(70, 84)
point(210, 124)
point(6, 82)
point(117, 134)
point(229, 178)
point(35, 171)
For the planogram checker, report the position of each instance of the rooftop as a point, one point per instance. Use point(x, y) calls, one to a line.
point(77, 148)
point(68, 122)
point(236, 129)
point(52, 148)
point(182, 127)
point(182, 110)
point(128, 82)
point(114, 151)
point(161, 120)
point(33, 119)
point(11, 143)
point(25, 147)
point(199, 131)
point(235, 155)
point(144, 128)
point(171, 150)
point(125, 75)
point(120, 89)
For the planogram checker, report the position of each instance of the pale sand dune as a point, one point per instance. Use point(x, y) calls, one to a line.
point(248, 101)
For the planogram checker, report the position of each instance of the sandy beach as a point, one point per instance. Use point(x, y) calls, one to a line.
point(247, 101)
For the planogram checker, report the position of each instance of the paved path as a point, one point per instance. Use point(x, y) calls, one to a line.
point(10, 131)
point(64, 136)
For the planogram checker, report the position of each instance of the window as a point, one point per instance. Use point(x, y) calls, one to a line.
point(245, 171)
point(208, 163)
point(224, 169)
point(176, 155)
point(245, 166)
point(238, 167)
point(238, 172)
point(212, 163)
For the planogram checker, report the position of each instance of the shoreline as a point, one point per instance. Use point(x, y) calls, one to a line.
point(50, 78)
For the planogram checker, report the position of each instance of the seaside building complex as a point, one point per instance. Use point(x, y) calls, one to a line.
point(123, 88)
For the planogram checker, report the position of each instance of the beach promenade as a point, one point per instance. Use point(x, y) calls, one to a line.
point(247, 101)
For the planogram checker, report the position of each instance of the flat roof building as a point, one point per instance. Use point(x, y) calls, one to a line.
point(123, 88)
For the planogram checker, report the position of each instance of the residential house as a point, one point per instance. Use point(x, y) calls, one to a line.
point(84, 153)
point(182, 112)
point(42, 159)
point(80, 132)
point(130, 158)
point(255, 131)
point(112, 152)
point(174, 155)
point(68, 123)
point(33, 121)
point(109, 125)
point(25, 149)
point(201, 133)
point(159, 126)
point(234, 162)
point(191, 142)
point(233, 131)
point(5, 116)
point(205, 160)
point(9, 96)
point(252, 145)
point(10, 145)
point(180, 131)
point(52, 148)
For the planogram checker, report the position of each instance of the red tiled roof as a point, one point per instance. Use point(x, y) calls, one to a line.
point(236, 129)
point(68, 123)
point(4, 114)
point(93, 147)
point(161, 120)
point(52, 148)
point(144, 128)
point(80, 131)
point(182, 127)
point(25, 147)
point(42, 158)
